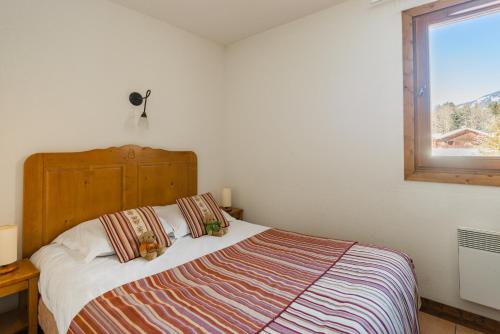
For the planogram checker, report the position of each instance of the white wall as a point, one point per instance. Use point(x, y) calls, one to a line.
point(66, 70)
point(314, 136)
point(314, 143)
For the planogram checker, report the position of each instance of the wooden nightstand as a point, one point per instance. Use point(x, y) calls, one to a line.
point(24, 278)
point(235, 212)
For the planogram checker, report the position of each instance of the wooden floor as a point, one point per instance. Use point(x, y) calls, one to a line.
point(433, 325)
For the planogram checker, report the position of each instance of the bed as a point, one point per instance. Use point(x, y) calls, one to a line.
point(254, 279)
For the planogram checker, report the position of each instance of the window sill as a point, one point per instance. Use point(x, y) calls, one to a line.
point(481, 178)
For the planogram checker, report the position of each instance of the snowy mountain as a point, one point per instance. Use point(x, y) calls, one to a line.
point(483, 101)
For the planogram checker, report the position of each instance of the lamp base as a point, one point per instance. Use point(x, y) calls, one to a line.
point(8, 268)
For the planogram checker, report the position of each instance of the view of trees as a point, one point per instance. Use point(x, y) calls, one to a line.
point(448, 117)
point(482, 115)
point(493, 142)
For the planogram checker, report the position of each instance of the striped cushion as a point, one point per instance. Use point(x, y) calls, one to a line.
point(196, 208)
point(124, 228)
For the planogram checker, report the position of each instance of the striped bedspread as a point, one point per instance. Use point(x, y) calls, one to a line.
point(273, 282)
point(369, 290)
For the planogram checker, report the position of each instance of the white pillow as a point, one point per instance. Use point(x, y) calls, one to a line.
point(228, 217)
point(89, 239)
point(173, 216)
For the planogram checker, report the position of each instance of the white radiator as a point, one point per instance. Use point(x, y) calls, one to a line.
point(479, 262)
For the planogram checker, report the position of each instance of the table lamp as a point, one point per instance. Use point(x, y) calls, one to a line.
point(226, 198)
point(8, 248)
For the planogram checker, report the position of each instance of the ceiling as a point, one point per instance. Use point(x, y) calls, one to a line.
point(227, 21)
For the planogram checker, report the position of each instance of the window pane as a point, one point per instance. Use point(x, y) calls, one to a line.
point(465, 87)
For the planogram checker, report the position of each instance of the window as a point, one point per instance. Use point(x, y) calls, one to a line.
point(451, 52)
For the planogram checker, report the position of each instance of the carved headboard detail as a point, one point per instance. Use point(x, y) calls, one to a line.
point(62, 190)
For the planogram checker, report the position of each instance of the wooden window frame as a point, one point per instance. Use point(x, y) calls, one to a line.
point(419, 164)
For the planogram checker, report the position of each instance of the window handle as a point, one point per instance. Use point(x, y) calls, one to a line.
point(422, 90)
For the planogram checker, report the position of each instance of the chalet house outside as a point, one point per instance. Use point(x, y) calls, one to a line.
point(460, 138)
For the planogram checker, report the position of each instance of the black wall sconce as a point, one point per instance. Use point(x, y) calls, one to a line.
point(136, 99)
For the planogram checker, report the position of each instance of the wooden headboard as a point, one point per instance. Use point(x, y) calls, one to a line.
point(62, 190)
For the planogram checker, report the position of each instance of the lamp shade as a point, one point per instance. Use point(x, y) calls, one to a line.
point(226, 197)
point(8, 244)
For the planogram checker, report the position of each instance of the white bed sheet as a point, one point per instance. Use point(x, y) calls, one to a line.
point(67, 284)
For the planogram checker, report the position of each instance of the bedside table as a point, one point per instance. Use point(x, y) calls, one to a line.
point(235, 212)
point(24, 278)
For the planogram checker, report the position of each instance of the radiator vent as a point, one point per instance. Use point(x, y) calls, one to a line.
point(480, 240)
point(479, 265)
